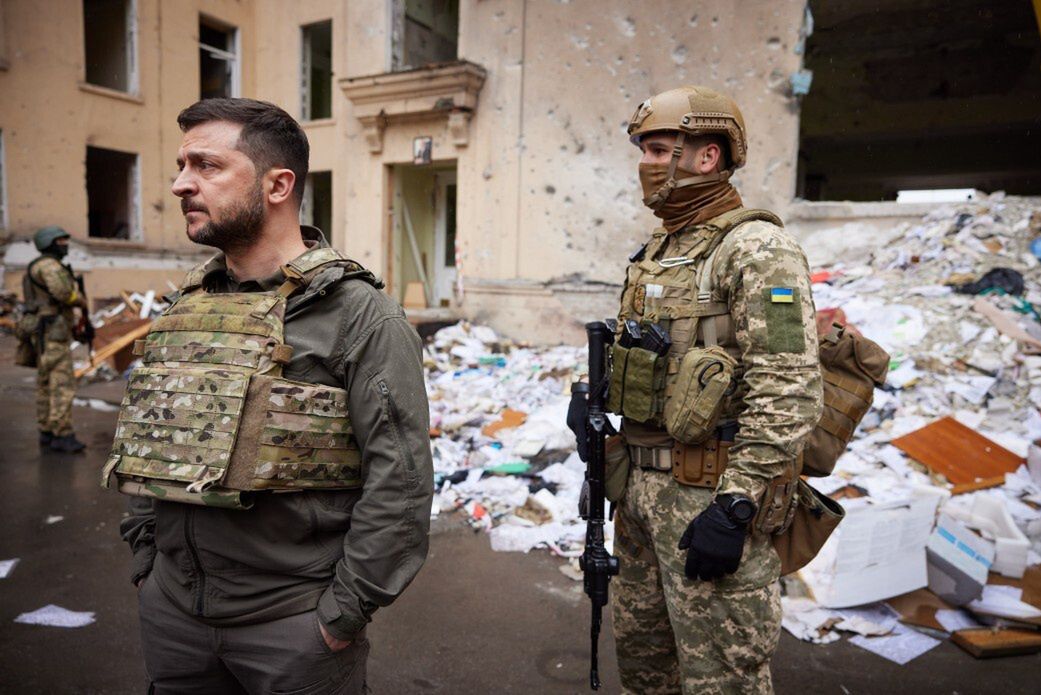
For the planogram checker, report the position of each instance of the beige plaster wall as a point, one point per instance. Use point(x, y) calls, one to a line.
point(49, 117)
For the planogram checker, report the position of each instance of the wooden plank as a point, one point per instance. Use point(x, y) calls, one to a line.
point(986, 643)
point(960, 454)
point(114, 347)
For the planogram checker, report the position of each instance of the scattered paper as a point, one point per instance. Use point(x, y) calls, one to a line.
point(953, 620)
point(901, 646)
point(56, 616)
point(6, 567)
point(1004, 602)
point(53, 519)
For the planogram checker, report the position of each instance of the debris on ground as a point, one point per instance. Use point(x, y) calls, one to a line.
point(56, 616)
point(954, 300)
point(502, 451)
point(7, 566)
point(116, 329)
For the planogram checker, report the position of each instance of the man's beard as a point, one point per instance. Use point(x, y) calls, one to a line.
point(239, 227)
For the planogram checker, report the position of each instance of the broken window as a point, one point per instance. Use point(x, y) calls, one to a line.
point(109, 43)
point(317, 71)
point(111, 194)
point(218, 59)
point(317, 207)
point(424, 32)
point(918, 95)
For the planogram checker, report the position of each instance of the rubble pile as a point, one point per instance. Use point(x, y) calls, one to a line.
point(953, 301)
point(502, 450)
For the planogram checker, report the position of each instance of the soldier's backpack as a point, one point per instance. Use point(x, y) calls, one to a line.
point(852, 366)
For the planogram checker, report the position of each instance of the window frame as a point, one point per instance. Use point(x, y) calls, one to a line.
point(232, 56)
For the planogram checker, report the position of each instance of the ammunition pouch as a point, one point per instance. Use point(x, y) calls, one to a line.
point(616, 468)
point(706, 376)
point(777, 504)
point(813, 518)
point(637, 383)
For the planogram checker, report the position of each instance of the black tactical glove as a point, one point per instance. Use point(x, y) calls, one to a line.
point(715, 539)
point(577, 415)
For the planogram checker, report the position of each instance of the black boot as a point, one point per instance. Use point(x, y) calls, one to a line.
point(46, 438)
point(67, 444)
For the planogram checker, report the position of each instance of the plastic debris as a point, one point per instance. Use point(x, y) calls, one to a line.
point(6, 567)
point(56, 616)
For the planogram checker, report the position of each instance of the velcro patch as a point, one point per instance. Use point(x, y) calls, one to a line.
point(784, 321)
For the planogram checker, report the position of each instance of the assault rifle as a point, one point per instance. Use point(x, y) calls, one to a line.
point(84, 329)
point(597, 564)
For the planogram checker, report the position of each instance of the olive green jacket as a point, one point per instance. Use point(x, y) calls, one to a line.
point(343, 552)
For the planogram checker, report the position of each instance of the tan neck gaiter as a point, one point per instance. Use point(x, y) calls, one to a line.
point(691, 204)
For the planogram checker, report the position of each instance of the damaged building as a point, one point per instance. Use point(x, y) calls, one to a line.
point(473, 152)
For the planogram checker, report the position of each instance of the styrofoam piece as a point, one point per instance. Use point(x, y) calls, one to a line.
point(990, 515)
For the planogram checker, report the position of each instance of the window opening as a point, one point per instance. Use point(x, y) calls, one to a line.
point(317, 207)
point(111, 194)
point(3, 184)
point(109, 38)
point(218, 60)
point(424, 32)
point(317, 71)
point(920, 95)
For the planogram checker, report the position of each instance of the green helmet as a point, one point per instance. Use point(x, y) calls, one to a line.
point(46, 236)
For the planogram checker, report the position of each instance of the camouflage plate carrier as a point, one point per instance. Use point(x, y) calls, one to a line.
point(208, 416)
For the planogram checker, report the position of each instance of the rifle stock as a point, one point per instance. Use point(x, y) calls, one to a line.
point(598, 566)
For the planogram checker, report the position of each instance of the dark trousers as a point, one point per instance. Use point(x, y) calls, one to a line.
point(185, 656)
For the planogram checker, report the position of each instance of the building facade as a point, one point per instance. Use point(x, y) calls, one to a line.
point(473, 152)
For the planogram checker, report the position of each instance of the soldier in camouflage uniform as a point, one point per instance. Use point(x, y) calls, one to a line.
point(51, 295)
point(275, 440)
point(697, 605)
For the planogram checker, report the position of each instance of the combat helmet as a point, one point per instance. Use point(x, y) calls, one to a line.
point(691, 111)
point(45, 236)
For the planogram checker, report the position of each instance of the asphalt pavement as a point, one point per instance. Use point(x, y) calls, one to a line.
point(474, 621)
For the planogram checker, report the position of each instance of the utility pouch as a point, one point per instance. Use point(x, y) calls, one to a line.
point(706, 375)
point(616, 468)
point(637, 381)
point(815, 516)
point(25, 327)
point(777, 506)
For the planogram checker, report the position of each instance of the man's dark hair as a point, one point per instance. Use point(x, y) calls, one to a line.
point(270, 136)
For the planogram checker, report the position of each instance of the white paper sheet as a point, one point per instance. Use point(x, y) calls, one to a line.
point(6, 566)
point(901, 646)
point(56, 616)
point(954, 620)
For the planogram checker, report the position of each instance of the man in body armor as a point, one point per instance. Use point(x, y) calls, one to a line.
point(715, 409)
point(275, 440)
point(51, 295)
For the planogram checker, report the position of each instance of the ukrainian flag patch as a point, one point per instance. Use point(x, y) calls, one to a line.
point(782, 295)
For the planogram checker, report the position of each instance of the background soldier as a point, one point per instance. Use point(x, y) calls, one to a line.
point(51, 294)
point(697, 606)
point(253, 591)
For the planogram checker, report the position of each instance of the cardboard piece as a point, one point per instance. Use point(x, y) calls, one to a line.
point(958, 562)
point(919, 607)
point(508, 419)
point(985, 642)
point(1006, 323)
point(966, 458)
point(877, 552)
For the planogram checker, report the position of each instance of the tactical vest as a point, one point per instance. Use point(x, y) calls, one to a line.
point(678, 293)
point(208, 417)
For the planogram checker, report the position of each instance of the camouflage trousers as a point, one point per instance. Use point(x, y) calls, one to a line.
point(55, 388)
point(677, 635)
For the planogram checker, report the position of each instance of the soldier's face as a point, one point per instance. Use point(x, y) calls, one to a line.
point(657, 148)
point(221, 194)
